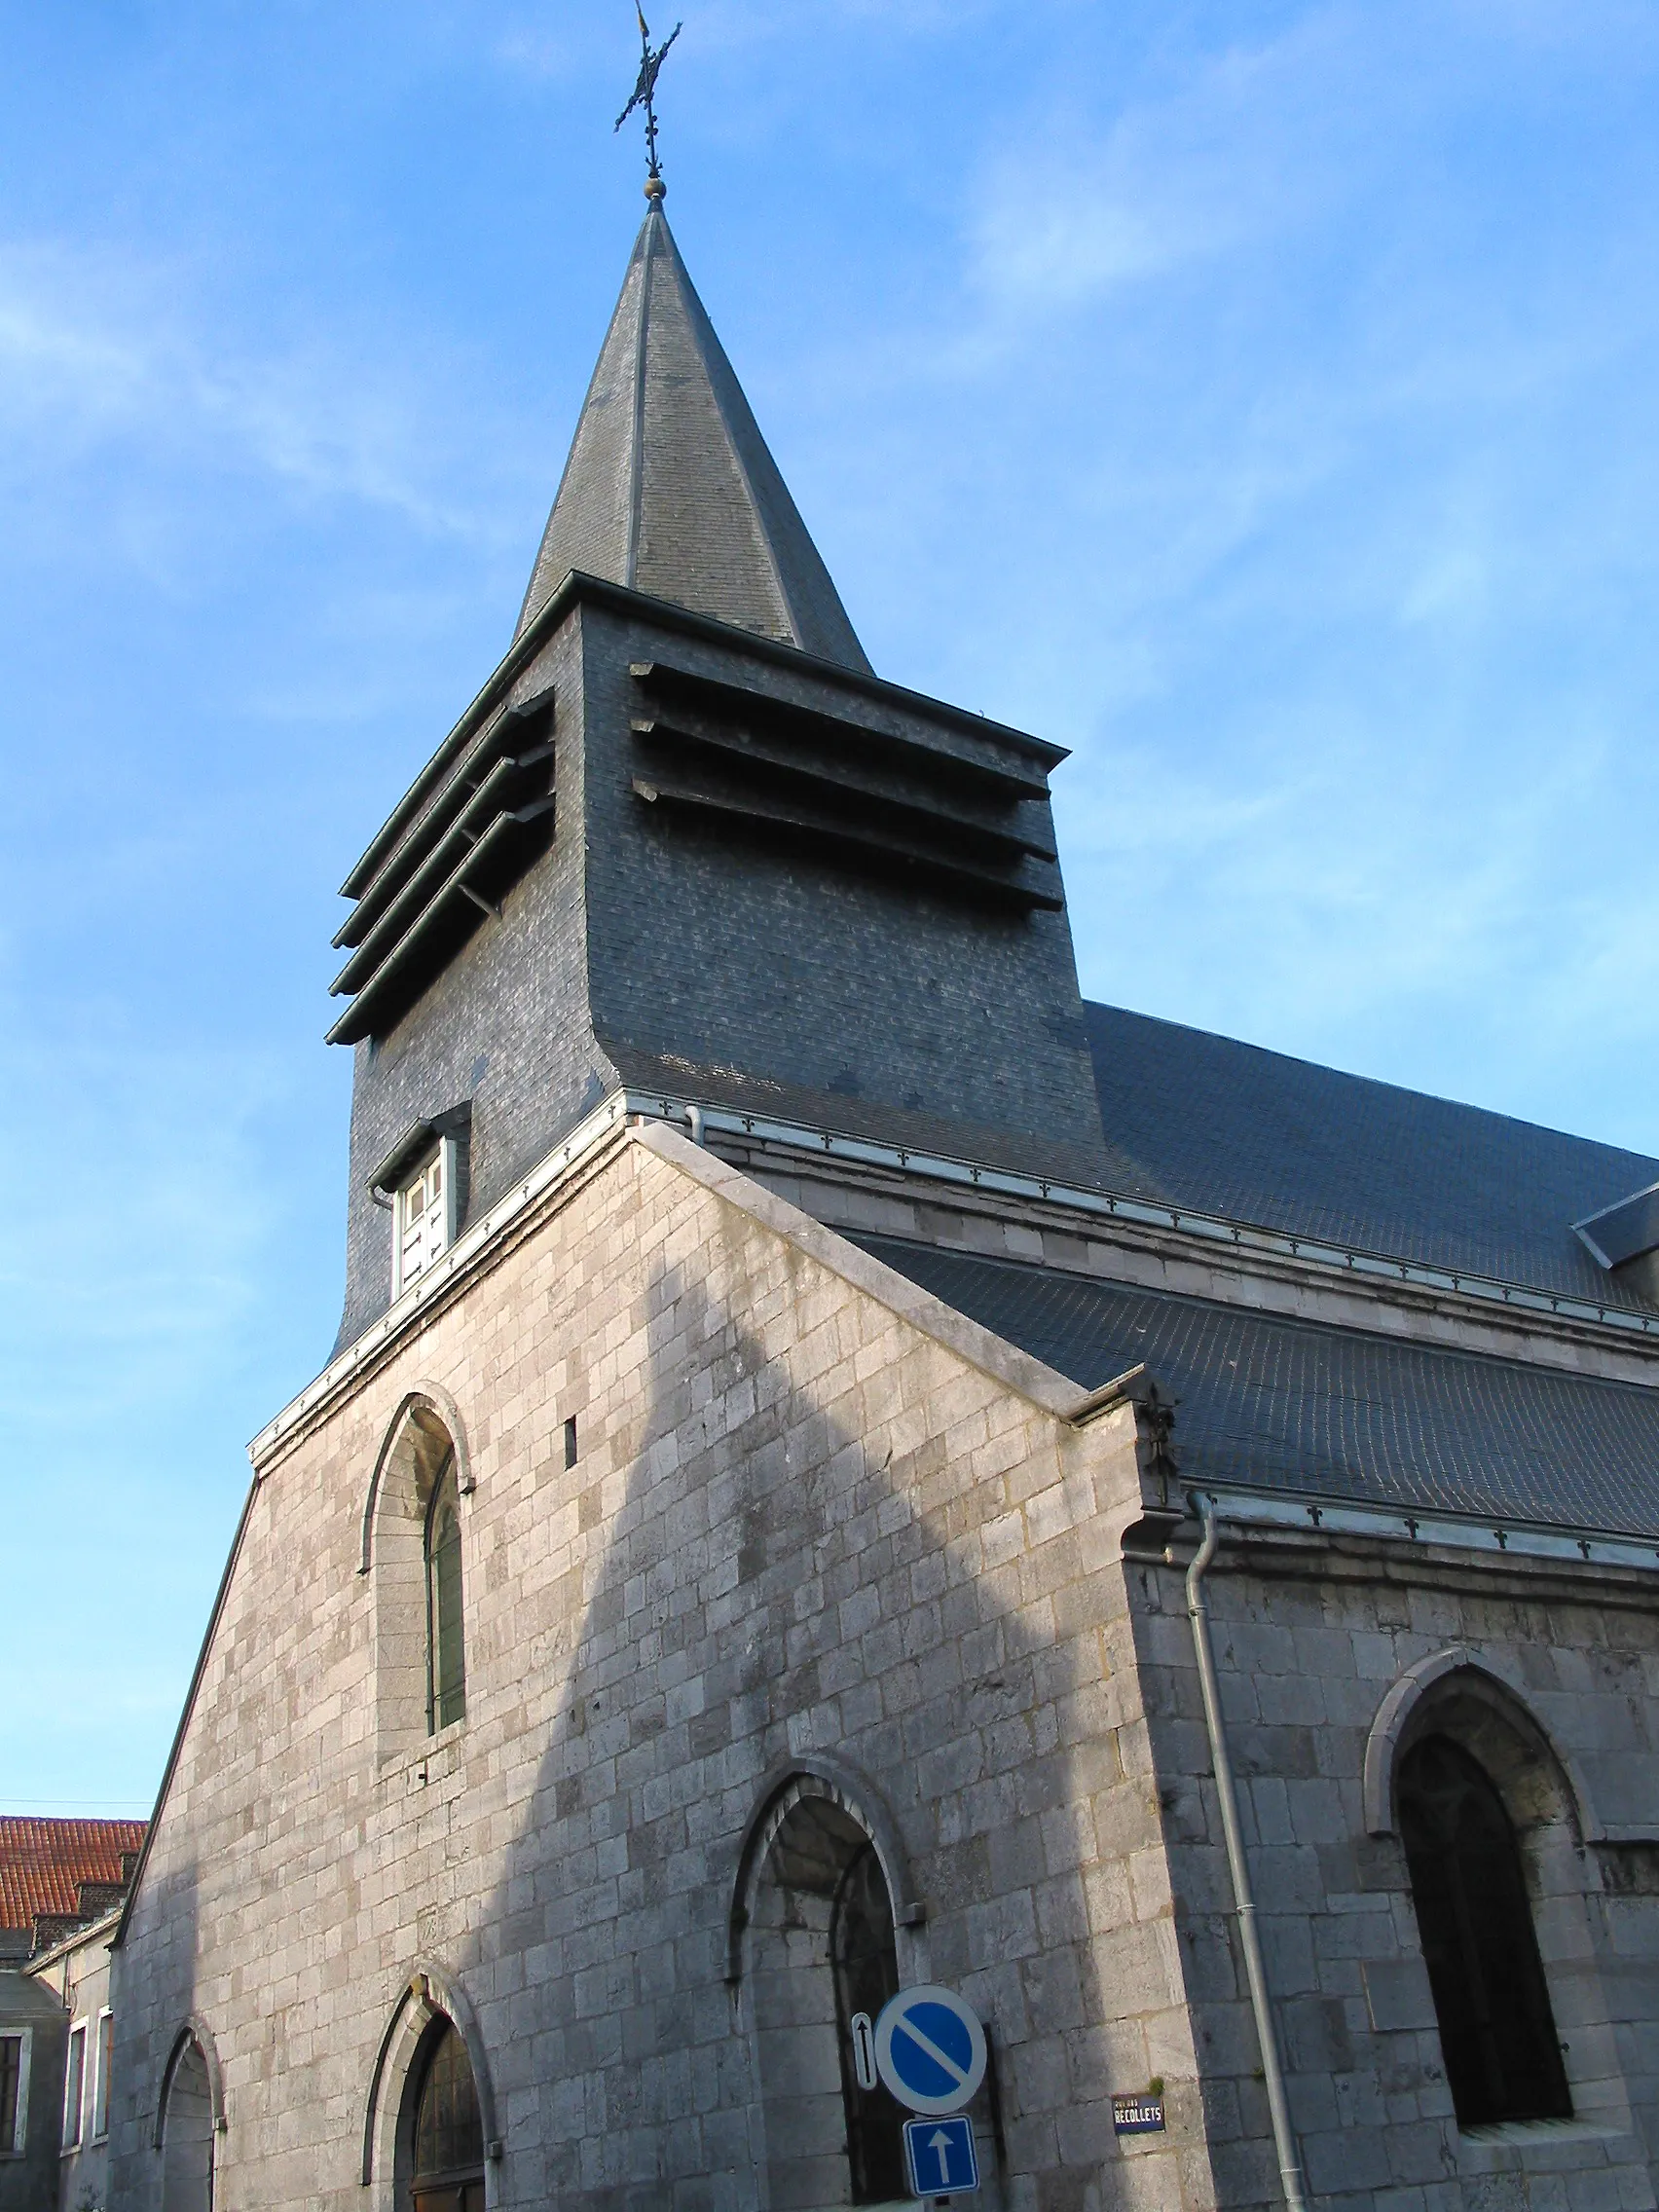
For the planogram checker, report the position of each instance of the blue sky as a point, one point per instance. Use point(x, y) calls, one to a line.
point(1258, 398)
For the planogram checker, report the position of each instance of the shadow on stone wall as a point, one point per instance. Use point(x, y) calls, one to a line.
point(148, 2021)
point(771, 1584)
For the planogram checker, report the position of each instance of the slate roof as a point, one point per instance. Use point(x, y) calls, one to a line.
point(1257, 1136)
point(670, 489)
point(42, 1864)
point(903, 1129)
point(1334, 1413)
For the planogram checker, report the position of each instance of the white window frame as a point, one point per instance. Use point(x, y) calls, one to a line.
point(19, 2142)
point(74, 2142)
point(445, 1152)
point(100, 2077)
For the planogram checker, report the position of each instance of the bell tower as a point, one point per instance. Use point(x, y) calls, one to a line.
point(685, 843)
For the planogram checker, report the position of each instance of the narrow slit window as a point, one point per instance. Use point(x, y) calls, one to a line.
point(1497, 2030)
point(445, 1639)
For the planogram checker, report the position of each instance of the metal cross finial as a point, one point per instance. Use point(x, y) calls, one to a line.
point(644, 96)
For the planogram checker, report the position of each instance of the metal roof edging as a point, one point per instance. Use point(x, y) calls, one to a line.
point(1299, 1511)
point(1149, 1213)
point(626, 1102)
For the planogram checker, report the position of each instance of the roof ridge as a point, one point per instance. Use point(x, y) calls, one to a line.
point(649, 233)
point(768, 551)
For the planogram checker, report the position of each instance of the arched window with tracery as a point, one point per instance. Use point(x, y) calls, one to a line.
point(448, 2138)
point(1497, 2029)
point(446, 1633)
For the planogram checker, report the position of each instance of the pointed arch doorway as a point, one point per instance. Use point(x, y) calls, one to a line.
point(187, 2132)
point(446, 2146)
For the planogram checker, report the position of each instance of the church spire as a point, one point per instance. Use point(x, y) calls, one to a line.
point(670, 489)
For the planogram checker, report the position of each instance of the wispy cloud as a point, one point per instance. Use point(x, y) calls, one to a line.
point(98, 351)
point(132, 1258)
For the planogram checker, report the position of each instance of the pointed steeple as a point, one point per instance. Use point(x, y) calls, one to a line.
point(670, 489)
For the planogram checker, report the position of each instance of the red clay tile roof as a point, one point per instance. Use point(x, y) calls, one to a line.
point(42, 1862)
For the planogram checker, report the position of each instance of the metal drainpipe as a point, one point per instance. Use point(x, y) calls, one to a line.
point(1238, 1866)
point(694, 1123)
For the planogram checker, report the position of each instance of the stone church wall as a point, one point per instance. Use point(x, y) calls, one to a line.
point(1311, 1640)
point(812, 1517)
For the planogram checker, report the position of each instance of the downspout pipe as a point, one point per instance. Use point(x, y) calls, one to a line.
point(1238, 1866)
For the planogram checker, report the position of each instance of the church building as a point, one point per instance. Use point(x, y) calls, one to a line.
point(847, 1466)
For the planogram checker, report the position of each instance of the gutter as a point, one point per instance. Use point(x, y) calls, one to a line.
point(1299, 1511)
point(1239, 1866)
point(1310, 1513)
point(1146, 1213)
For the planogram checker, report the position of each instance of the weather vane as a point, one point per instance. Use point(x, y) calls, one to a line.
point(645, 96)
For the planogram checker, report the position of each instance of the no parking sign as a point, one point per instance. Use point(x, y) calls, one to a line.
point(930, 2049)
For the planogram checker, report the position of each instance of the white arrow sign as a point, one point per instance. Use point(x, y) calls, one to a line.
point(939, 2158)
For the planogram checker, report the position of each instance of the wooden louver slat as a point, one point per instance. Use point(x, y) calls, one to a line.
point(974, 824)
point(476, 833)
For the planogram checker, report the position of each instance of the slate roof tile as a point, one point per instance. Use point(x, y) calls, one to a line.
point(1255, 1136)
point(1332, 1413)
point(670, 487)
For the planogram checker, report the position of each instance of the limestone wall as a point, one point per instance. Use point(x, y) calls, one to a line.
point(809, 1513)
point(1311, 1640)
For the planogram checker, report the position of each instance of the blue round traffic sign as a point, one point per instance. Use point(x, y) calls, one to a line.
point(930, 2049)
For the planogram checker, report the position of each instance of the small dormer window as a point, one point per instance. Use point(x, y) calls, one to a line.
point(421, 1184)
point(421, 1219)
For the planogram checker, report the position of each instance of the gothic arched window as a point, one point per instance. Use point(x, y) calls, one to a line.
point(446, 1640)
point(449, 2130)
point(1496, 2029)
point(866, 1963)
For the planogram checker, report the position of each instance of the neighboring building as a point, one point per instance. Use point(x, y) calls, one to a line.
point(57, 1875)
point(61, 1887)
point(739, 1560)
point(33, 2034)
point(77, 1971)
